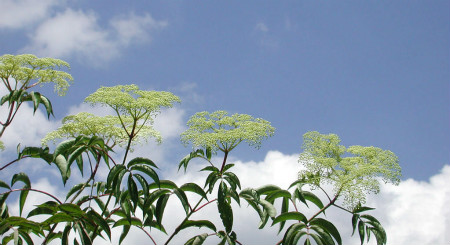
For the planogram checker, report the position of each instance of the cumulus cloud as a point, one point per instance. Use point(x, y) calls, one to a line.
point(414, 212)
point(26, 128)
point(22, 13)
point(77, 33)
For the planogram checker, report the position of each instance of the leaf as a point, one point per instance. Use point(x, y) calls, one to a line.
point(293, 233)
point(144, 184)
point(147, 170)
point(72, 209)
point(59, 218)
point(360, 209)
point(125, 222)
point(270, 209)
point(24, 193)
point(328, 227)
point(63, 167)
point(197, 240)
point(192, 187)
point(277, 194)
point(125, 230)
point(63, 147)
point(265, 190)
point(112, 176)
point(21, 177)
point(361, 231)
point(312, 198)
point(197, 223)
point(141, 160)
point(355, 218)
point(233, 179)
point(290, 216)
point(74, 189)
point(225, 211)
point(4, 185)
point(183, 199)
point(98, 219)
point(132, 189)
point(323, 235)
point(163, 184)
point(160, 206)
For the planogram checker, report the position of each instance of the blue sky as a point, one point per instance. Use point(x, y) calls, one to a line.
point(373, 72)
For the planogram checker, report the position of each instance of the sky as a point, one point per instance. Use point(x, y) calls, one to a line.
point(373, 72)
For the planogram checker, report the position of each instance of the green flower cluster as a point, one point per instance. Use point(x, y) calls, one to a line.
point(219, 131)
point(132, 123)
point(107, 127)
point(26, 68)
point(353, 176)
point(129, 100)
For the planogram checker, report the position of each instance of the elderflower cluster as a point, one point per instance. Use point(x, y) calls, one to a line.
point(354, 172)
point(110, 128)
point(129, 100)
point(28, 70)
point(220, 131)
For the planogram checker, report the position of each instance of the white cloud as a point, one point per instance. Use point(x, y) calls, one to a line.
point(135, 28)
point(412, 213)
point(78, 33)
point(23, 13)
point(26, 128)
point(262, 27)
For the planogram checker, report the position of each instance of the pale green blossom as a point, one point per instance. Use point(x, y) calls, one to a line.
point(354, 172)
point(107, 127)
point(27, 71)
point(129, 100)
point(219, 131)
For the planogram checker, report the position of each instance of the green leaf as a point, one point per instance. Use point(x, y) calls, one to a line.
point(233, 179)
point(294, 233)
point(265, 190)
point(144, 184)
point(21, 177)
point(74, 189)
point(24, 193)
point(355, 219)
point(112, 176)
point(59, 218)
point(277, 194)
point(160, 206)
point(71, 209)
point(63, 167)
point(317, 239)
point(197, 223)
point(192, 187)
point(65, 234)
point(290, 216)
point(132, 189)
point(4, 185)
point(197, 240)
point(328, 227)
point(75, 156)
point(183, 199)
point(147, 170)
point(361, 230)
point(125, 230)
point(360, 209)
point(98, 219)
point(163, 184)
point(225, 211)
point(48, 105)
point(312, 198)
point(63, 147)
point(125, 222)
point(270, 209)
point(323, 235)
point(141, 160)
